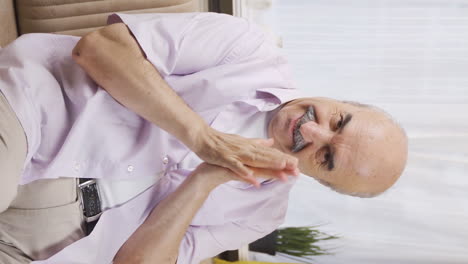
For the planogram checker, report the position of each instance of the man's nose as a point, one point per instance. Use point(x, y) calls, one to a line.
point(315, 134)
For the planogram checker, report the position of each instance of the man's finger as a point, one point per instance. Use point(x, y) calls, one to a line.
point(240, 169)
point(253, 181)
point(271, 174)
point(267, 142)
point(266, 157)
point(269, 158)
point(291, 163)
point(296, 172)
point(283, 176)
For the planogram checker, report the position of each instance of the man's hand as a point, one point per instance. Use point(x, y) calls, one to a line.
point(245, 156)
point(212, 176)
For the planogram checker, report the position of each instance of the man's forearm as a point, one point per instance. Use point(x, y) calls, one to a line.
point(113, 59)
point(158, 239)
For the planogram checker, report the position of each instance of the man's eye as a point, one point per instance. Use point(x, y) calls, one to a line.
point(339, 123)
point(326, 158)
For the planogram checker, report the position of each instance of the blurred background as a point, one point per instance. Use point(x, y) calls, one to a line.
point(409, 57)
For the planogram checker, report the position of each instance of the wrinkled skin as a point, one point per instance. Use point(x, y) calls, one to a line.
point(369, 150)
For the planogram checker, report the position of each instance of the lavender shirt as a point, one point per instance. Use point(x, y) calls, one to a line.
point(223, 67)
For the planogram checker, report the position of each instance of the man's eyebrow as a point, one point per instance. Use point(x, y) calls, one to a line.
point(331, 161)
point(345, 121)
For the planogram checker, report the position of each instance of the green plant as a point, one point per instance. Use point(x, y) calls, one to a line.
point(301, 242)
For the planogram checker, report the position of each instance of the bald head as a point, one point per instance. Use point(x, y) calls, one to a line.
point(354, 149)
point(380, 158)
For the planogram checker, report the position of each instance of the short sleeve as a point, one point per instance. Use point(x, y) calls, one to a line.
point(186, 43)
point(202, 242)
point(207, 237)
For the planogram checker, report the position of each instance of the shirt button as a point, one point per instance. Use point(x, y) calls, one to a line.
point(165, 160)
point(130, 168)
point(77, 166)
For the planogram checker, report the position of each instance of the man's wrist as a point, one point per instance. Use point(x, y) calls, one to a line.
point(203, 183)
point(208, 180)
point(197, 135)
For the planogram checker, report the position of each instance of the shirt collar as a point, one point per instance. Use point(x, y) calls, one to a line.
point(268, 99)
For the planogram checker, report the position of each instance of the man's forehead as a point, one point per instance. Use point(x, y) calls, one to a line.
point(352, 169)
point(351, 148)
point(344, 156)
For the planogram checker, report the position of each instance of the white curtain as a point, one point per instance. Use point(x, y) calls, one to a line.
point(410, 57)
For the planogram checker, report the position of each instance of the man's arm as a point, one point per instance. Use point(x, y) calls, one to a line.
point(113, 58)
point(158, 239)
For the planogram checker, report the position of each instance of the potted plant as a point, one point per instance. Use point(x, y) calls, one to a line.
point(297, 243)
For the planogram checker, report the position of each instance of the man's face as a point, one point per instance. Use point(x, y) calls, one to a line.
point(354, 148)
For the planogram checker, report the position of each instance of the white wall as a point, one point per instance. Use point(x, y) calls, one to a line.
point(411, 58)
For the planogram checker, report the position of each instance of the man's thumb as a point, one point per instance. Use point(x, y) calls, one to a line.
point(267, 142)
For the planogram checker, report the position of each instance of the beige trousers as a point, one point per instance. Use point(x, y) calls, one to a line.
point(38, 219)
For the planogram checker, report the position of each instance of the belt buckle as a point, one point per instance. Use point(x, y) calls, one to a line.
point(89, 200)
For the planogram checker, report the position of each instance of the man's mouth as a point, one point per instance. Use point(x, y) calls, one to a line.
point(298, 141)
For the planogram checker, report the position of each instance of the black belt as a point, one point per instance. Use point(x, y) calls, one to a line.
point(90, 202)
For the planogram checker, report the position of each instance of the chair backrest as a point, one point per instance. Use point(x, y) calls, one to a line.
point(8, 30)
point(78, 17)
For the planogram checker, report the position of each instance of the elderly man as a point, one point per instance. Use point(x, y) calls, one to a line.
point(186, 84)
